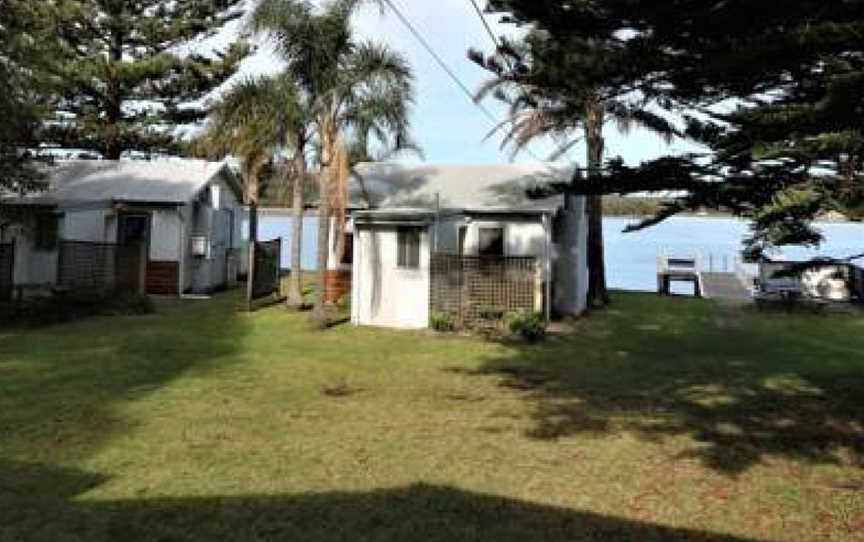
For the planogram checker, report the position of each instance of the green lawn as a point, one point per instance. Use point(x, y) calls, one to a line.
point(663, 419)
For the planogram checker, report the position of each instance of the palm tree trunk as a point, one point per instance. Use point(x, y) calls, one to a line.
point(598, 295)
point(320, 313)
point(295, 280)
point(252, 200)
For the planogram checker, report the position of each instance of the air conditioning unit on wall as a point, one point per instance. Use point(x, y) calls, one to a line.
point(200, 246)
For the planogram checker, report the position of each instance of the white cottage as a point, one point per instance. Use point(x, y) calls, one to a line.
point(423, 220)
point(185, 215)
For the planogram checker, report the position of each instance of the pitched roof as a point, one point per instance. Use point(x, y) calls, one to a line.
point(487, 187)
point(171, 181)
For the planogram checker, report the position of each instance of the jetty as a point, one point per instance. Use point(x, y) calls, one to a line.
point(711, 278)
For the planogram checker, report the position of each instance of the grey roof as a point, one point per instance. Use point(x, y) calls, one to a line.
point(168, 181)
point(476, 187)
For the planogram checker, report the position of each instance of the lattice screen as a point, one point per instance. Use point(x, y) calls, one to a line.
point(466, 286)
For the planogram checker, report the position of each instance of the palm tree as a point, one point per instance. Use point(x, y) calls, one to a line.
point(354, 90)
point(253, 121)
point(298, 174)
point(557, 89)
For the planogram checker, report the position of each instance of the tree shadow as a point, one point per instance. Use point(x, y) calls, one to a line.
point(415, 512)
point(63, 384)
point(784, 386)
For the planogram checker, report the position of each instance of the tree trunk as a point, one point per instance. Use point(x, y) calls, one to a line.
point(321, 313)
point(295, 280)
point(320, 316)
point(252, 200)
point(598, 296)
point(113, 146)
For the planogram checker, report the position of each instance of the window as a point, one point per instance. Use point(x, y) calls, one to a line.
point(408, 245)
point(463, 233)
point(46, 231)
point(348, 253)
point(491, 242)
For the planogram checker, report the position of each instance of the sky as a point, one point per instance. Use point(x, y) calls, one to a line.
point(449, 127)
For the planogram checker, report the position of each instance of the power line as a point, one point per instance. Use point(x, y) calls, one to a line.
point(488, 28)
point(419, 37)
point(498, 46)
point(416, 33)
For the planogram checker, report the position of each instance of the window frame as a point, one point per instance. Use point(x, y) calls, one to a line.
point(403, 261)
point(503, 241)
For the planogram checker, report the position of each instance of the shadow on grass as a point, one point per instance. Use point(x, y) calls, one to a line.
point(416, 512)
point(62, 384)
point(743, 385)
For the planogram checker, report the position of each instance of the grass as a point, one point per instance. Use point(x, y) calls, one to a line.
point(661, 419)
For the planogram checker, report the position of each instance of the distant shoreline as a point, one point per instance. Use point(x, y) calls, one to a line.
point(636, 208)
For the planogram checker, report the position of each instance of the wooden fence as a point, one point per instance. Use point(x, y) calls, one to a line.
point(469, 287)
point(266, 275)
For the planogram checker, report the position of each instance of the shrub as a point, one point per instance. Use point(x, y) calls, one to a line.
point(441, 321)
point(44, 310)
point(491, 313)
point(531, 326)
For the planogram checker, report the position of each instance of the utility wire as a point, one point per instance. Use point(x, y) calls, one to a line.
point(488, 28)
point(416, 33)
point(498, 46)
point(419, 37)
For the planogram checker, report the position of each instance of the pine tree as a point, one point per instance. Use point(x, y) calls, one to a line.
point(123, 82)
point(568, 79)
point(791, 148)
point(22, 89)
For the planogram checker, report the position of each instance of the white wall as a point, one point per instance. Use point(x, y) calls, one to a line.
point(382, 293)
point(522, 237)
point(165, 235)
point(94, 225)
point(210, 217)
point(570, 257)
point(32, 267)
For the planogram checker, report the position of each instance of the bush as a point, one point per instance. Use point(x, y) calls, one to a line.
point(441, 321)
point(531, 326)
point(44, 310)
point(491, 313)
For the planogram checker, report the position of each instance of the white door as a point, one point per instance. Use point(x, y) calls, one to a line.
point(393, 289)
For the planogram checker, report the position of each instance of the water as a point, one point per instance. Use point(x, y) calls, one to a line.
point(631, 258)
point(274, 225)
